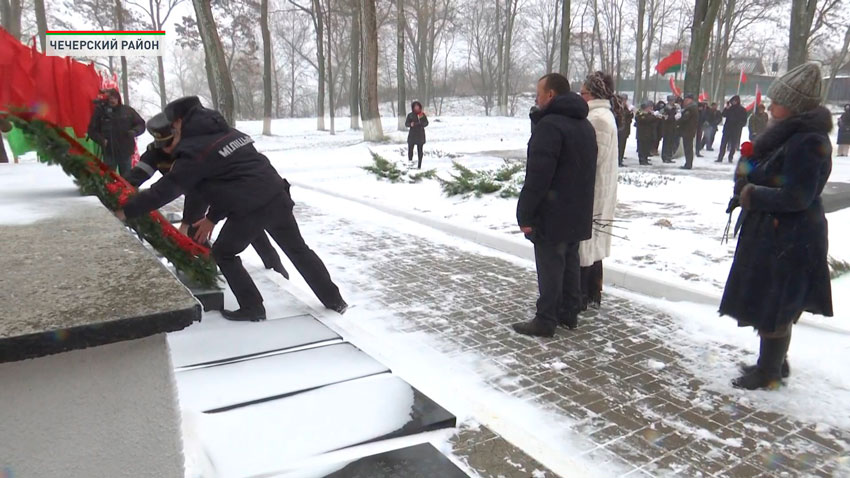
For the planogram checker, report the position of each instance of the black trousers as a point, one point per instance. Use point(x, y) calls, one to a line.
point(261, 244)
point(591, 284)
point(644, 149)
point(418, 152)
point(558, 279)
point(688, 144)
point(671, 144)
point(732, 141)
point(277, 218)
point(623, 139)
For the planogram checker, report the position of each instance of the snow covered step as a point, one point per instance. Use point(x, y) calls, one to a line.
point(263, 378)
point(217, 340)
point(419, 461)
point(265, 437)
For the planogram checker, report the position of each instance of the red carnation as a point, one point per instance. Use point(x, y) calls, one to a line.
point(747, 149)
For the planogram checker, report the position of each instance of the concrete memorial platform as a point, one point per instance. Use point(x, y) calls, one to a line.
point(87, 387)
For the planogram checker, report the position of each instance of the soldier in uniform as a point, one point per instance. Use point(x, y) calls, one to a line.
point(242, 189)
point(155, 159)
point(646, 124)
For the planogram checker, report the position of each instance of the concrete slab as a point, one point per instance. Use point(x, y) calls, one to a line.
point(72, 275)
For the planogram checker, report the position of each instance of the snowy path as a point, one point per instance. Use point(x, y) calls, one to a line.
point(635, 389)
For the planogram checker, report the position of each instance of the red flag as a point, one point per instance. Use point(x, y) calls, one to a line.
point(673, 89)
point(670, 64)
point(757, 101)
point(703, 97)
point(743, 76)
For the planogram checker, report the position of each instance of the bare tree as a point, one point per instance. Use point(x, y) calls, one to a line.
point(125, 83)
point(806, 20)
point(222, 85)
point(505, 23)
point(544, 33)
point(641, 14)
point(372, 130)
point(10, 16)
point(432, 18)
point(705, 12)
point(317, 16)
point(402, 100)
point(565, 38)
point(158, 11)
point(837, 63)
point(41, 21)
point(294, 32)
point(267, 67)
point(354, 80)
point(482, 50)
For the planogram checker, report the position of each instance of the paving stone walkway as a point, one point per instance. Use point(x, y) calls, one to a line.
point(628, 391)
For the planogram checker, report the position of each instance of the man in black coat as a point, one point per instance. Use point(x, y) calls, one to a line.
point(240, 185)
point(713, 118)
point(736, 119)
point(555, 207)
point(114, 126)
point(646, 122)
point(194, 208)
point(688, 124)
point(670, 132)
point(781, 268)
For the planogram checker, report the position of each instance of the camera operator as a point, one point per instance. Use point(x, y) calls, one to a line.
point(114, 126)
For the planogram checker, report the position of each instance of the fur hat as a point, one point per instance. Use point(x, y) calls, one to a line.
point(799, 90)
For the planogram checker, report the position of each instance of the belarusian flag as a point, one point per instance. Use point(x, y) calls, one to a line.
point(671, 64)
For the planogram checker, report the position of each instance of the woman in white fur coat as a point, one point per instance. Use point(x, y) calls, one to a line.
point(605, 107)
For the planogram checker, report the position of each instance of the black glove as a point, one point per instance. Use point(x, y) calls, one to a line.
point(734, 202)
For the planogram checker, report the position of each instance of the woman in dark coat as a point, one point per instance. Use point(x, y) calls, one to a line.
point(844, 132)
point(780, 268)
point(416, 121)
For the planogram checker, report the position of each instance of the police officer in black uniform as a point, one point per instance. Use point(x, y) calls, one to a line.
point(155, 159)
point(241, 187)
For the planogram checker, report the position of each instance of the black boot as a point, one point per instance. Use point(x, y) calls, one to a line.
point(768, 372)
point(536, 328)
point(280, 270)
point(785, 372)
point(245, 315)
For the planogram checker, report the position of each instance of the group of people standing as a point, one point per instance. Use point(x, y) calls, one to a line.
point(780, 267)
point(694, 125)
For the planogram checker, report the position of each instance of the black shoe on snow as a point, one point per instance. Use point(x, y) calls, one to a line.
point(535, 328)
point(244, 315)
point(570, 320)
point(280, 270)
point(340, 308)
point(785, 373)
point(758, 379)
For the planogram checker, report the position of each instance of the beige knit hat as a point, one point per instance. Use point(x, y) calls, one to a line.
point(799, 90)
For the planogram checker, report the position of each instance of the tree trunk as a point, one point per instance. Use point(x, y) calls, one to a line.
point(372, 130)
point(597, 34)
point(330, 76)
point(399, 64)
point(724, 51)
point(125, 86)
point(564, 67)
point(638, 97)
point(10, 17)
point(837, 65)
point(705, 12)
point(354, 86)
point(222, 85)
point(160, 70)
point(41, 21)
point(802, 14)
point(267, 67)
point(318, 19)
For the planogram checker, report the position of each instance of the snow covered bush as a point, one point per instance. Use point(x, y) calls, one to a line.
point(644, 180)
point(481, 182)
point(390, 171)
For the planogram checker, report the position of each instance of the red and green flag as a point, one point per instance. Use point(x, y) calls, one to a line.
point(670, 64)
